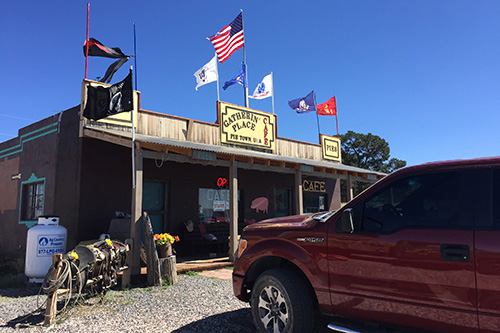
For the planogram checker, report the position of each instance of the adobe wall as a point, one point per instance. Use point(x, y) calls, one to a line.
point(31, 155)
point(105, 186)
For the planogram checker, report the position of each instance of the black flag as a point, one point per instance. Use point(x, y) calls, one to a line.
point(103, 102)
point(112, 69)
point(97, 49)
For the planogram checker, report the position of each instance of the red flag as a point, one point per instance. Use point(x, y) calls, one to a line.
point(328, 108)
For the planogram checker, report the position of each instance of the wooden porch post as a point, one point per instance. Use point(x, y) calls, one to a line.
point(233, 210)
point(350, 184)
point(299, 201)
point(133, 259)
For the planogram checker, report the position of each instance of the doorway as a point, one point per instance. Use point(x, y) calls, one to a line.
point(153, 202)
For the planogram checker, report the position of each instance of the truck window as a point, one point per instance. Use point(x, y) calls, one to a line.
point(496, 198)
point(421, 201)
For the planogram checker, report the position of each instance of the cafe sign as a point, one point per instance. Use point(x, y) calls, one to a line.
point(246, 127)
point(330, 147)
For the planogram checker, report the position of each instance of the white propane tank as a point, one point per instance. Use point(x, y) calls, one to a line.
point(44, 239)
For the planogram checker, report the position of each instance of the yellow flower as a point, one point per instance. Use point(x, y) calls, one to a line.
point(109, 242)
point(165, 238)
point(73, 255)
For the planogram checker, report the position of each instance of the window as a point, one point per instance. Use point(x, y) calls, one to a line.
point(314, 202)
point(440, 200)
point(496, 198)
point(32, 201)
point(213, 205)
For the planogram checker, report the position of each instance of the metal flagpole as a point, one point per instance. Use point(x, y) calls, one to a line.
point(245, 87)
point(336, 119)
point(217, 70)
point(317, 116)
point(133, 141)
point(133, 118)
point(272, 84)
point(87, 41)
point(135, 58)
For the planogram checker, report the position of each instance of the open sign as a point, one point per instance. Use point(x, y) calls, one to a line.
point(222, 182)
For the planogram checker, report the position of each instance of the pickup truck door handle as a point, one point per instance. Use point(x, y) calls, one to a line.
point(455, 252)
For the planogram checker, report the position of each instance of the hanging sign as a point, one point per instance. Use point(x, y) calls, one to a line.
point(246, 127)
point(330, 147)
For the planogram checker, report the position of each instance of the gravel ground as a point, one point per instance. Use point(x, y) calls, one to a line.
point(195, 304)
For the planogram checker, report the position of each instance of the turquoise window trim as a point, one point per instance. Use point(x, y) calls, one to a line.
point(28, 137)
point(32, 179)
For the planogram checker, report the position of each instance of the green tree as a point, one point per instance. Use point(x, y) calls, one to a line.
point(368, 151)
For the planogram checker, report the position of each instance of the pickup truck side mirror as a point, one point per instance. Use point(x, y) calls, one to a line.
point(345, 224)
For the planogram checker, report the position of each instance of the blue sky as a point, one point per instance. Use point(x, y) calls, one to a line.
point(424, 75)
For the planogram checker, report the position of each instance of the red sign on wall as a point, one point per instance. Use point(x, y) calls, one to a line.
point(222, 182)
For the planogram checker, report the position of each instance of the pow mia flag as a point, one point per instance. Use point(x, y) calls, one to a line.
point(103, 102)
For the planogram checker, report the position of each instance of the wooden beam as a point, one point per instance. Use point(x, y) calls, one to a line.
point(133, 260)
point(350, 184)
point(299, 201)
point(51, 309)
point(233, 211)
point(121, 141)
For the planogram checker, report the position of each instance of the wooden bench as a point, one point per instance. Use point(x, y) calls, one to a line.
point(210, 238)
point(194, 243)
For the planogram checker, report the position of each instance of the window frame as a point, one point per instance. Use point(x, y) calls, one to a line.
point(32, 181)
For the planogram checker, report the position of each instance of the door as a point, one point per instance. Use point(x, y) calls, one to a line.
point(153, 202)
point(411, 257)
point(487, 237)
point(282, 201)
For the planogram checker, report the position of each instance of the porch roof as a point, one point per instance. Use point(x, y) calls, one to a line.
point(248, 159)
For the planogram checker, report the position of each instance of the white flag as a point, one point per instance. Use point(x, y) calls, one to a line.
point(264, 89)
point(207, 73)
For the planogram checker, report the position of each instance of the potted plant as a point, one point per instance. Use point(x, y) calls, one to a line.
point(164, 243)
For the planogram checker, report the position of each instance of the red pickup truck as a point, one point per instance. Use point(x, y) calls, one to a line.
point(420, 248)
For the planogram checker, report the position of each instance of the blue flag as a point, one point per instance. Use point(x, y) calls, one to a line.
point(305, 104)
point(240, 78)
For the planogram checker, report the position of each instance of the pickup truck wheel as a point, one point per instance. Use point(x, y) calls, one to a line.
point(281, 303)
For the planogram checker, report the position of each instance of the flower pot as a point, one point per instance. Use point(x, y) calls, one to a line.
point(164, 250)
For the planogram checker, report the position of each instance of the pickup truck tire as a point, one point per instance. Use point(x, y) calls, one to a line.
point(280, 302)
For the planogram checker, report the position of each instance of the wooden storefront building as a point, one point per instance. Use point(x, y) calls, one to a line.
point(197, 180)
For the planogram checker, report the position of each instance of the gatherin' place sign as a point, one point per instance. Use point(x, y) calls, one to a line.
point(247, 127)
point(330, 146)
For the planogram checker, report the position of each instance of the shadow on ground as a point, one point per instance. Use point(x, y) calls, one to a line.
point(228, 322)
point(26, 321)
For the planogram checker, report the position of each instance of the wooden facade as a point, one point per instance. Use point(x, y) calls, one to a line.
point(173, 138)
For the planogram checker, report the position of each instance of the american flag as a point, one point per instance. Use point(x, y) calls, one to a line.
point(229, 39)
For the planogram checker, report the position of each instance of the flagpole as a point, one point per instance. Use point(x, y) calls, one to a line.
point(272, 83)
point(316, 108)
point(135, 58)
point(217, 70)
point(87, 41)
point(133, 141)
point(336, 119)
point(245, 87)
point(133, 118)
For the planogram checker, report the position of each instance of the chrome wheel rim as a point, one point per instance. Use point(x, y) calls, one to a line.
point(273, 310)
